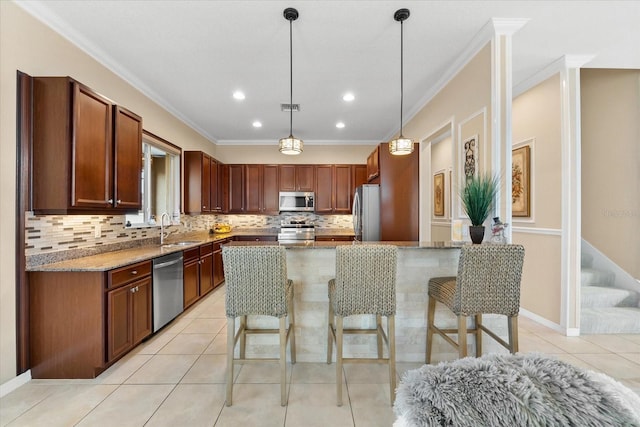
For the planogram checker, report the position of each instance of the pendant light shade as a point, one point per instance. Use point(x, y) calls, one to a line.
point(291, 145)
point(401, 145)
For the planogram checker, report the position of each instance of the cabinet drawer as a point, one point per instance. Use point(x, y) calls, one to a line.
point(206, 249)
point(128, 274)
point(191, 254)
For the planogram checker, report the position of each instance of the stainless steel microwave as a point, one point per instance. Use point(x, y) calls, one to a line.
point(297, 201)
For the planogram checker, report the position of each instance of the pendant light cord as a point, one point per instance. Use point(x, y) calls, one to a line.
point(401, 73)
point(290, 78)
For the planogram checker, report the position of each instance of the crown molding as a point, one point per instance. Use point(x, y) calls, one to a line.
point(230, 142)
point(557, 66)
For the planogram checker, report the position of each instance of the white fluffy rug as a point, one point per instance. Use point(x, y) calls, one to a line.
point(506, 390)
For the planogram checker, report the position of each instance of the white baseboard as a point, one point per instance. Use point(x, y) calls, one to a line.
point(14, 383)
point(544, 322)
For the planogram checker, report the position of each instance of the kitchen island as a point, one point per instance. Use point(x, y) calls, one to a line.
point(311, 267)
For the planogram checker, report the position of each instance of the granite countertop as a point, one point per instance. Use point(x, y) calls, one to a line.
point(119, 258)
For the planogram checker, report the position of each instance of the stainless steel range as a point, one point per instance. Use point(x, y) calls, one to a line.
point(297, 231)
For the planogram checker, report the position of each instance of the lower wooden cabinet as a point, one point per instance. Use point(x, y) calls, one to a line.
point(218, 266)
point(198, 273)
point(256, 238)
point(80, 322)
point(129, 317)
point(334, 238)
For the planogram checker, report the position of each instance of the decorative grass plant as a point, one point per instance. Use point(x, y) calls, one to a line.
point(477, 197)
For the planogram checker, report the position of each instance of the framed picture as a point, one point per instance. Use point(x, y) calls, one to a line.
point(438, 194)
point(521, 181)
point(470, 157)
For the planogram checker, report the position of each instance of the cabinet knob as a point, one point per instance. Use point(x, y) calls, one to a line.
point(118, 201)
point(133, 290)
point(204, 207)
point(134, 272)
point(110, 201)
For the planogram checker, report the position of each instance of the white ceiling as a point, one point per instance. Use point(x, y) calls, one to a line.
point(190, 56)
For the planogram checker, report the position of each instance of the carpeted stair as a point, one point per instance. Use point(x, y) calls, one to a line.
point(605, 308)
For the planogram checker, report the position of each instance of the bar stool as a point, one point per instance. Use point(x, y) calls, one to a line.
point(257, 284)
point(488, 281)
point(365, 283)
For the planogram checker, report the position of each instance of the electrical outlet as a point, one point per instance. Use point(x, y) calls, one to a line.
point(97, 230)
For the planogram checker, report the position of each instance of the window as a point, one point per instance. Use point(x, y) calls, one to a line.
point(160, 180)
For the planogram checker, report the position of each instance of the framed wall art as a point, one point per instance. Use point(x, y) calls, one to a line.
point(470, 157)
point(438, 194)
point(521, 181)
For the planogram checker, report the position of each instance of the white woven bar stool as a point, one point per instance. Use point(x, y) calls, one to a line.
point(257, 284)
point(365, 283)
point(488, 282)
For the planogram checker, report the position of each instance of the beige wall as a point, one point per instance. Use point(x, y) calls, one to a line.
point(29, 46)
point(610, 103)
point(536, 116)
point(442, 161)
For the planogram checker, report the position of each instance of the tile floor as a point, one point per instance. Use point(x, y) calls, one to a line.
point(177, 379)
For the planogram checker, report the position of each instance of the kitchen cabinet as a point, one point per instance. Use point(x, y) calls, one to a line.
point(236, 187)
point(202, 183)
point(218, 266)
point(297, 178)
point(334, 238)
point(261, 192)
point(198, 273)
point(256, 238)
point(333, 190)
point(373, 164)
point(87, 151)
point(358, 176)
point(81, 322)
point(129, 315)
point(399, 195)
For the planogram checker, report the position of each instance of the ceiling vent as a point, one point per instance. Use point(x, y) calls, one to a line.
point(290, 107)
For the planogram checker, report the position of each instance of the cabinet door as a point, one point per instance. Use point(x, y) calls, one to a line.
point(128, 160)
point(324, 189)
point(270, 193)
point(358, 176)
point(92, 149)
point(287, 177)
point(205, 189)
point(305, 178)
point(206, 274)
point(373, 164)
point(214, 187)
point(342, 189)
point(119, 333)
point(253, 181)
point(190, 282)
point(142, 323)
point(218, 267)
point(236, 189)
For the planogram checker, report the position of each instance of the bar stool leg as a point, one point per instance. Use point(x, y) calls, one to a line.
point(231, 331)
point(243, 336)
point(513, 334)
point(339, 324)
point(283, 362)
point(330, 334)
point(292, 328)
point(379, 335)
point(462, 336)
point(478, 335)
point(391, 336)
point(430, 319)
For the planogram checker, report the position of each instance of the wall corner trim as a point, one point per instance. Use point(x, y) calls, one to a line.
point(15, 383)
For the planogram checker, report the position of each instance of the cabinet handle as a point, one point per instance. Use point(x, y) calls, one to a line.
point(137, 288)
point(133, 290)
point(204, 207)
point(134, 272)
point(118, 202)
point(110, 201)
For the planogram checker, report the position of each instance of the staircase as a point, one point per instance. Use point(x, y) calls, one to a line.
point(608, 307)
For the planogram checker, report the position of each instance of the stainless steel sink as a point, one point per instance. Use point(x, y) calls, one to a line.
point(183, 243)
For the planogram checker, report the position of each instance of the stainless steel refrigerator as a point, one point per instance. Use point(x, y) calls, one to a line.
point(366, 212)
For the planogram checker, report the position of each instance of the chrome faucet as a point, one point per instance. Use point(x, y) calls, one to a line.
point(162, 226)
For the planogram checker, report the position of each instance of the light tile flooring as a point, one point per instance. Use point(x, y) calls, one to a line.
point(177, 379)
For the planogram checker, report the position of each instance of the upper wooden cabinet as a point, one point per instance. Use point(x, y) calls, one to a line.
point(261, 189)
point(358, 176)
point(236, 188)
point(333, 190)
point(297, 178)
point(373, 164)
point(203, 182)
point(87, 152)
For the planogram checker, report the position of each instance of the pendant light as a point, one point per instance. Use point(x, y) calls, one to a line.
point(401, 145)
point(291, 145)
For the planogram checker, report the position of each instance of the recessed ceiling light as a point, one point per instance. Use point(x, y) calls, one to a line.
point(257, 124)
point(348, 97)
point(238, 95)
point(340, 125)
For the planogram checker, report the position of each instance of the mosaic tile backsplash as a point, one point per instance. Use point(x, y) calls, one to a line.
point(48, 234)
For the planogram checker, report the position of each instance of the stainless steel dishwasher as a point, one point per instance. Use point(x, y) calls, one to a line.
point(167, 289)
